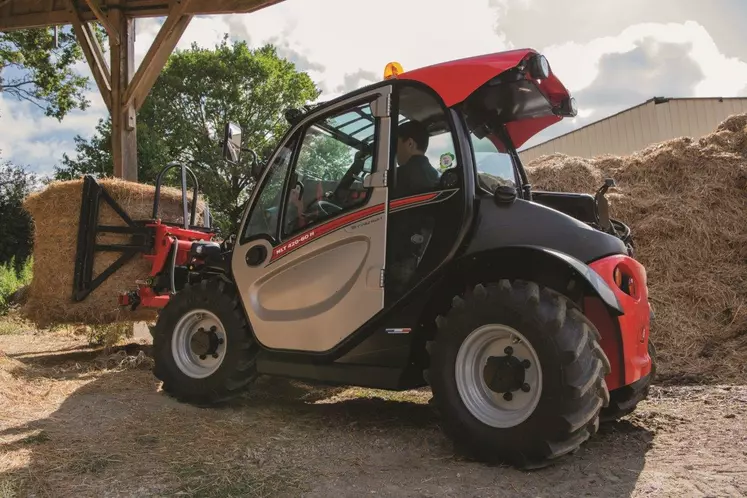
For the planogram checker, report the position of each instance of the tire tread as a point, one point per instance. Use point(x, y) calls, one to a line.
point(583, 368)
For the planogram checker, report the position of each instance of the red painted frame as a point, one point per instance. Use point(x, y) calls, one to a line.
point(625, 338)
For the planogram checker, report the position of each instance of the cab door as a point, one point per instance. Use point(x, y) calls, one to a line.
point(310, 257)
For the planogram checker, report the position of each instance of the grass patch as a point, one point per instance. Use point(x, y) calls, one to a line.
point(90, 463)
point(10, 485)
point(12, 280)
point(9, 326)
point(41, 437)
point(205, 482)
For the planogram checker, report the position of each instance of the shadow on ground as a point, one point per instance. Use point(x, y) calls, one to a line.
point(119, 435)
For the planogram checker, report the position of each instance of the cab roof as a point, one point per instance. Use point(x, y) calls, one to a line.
point(531, 101)
point(454, 81)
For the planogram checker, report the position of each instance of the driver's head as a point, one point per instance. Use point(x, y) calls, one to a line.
point(412, 139)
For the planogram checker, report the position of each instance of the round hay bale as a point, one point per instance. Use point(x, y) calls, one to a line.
point(55, 212)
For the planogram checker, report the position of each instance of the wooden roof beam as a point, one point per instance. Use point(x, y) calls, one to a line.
point(93, 52)
point(158, 53)
point(132, 9)
point(104, 20)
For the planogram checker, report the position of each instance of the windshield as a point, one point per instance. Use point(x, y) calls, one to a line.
point(494, 168)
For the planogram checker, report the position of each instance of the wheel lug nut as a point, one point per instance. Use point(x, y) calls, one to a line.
point(215, 355)
point(508, 396)
point(203, 357)
point(525, 387)
point(526, 364)
point(201, 330)
point(509, 350)
point(213, 328)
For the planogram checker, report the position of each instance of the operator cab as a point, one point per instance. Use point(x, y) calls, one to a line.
point(335, 196)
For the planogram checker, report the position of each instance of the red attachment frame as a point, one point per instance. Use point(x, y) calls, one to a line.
point(624, 338)
point(164, 237)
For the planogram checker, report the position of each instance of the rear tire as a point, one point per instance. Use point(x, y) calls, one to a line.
point(570, 380)
point(226, 363)
point(625, 400)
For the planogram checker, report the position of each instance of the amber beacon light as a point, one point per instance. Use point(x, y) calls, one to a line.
point(392, 70)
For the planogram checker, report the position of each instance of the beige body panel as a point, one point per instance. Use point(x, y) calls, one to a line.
point(316, 288)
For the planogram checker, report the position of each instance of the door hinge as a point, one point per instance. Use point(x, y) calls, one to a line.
point(384, 180)
point(381, 278)
point(382, 107)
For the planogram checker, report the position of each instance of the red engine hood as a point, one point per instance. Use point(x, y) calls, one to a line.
point(456, 80)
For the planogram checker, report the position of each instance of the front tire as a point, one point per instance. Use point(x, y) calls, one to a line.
point(495, 403)
point(203, 348)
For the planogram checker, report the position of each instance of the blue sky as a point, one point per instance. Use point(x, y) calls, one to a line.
point(611, 54)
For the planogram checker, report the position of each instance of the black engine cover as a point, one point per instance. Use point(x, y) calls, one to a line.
point(530, 223)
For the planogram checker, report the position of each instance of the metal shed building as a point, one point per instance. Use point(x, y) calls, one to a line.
point(633, 129)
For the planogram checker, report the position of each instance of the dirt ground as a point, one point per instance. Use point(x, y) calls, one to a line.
point(76, 423)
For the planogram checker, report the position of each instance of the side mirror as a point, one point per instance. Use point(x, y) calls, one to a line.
point(232, 143)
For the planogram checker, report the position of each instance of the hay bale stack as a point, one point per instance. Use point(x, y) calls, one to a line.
point(56, 212)
point(686, 202)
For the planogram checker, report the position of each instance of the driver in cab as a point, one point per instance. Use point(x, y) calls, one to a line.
point(415, 173)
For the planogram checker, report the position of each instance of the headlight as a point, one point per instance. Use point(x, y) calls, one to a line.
point(567, 108)
point(544, 67)
point(539, 67)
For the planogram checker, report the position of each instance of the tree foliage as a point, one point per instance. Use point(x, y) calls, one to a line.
point(325, 157)
point(33, 69)
point(182, 120)
point(15, 223)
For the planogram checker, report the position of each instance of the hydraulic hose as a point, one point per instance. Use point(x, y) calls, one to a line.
point(175, 248)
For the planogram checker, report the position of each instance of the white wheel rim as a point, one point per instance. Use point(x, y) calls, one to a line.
point(201, 360)
point(487, 405)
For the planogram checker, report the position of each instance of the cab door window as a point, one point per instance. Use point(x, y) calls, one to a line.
point(263, 219)
point(328, 179)
point(421, 229)
point(424, 146)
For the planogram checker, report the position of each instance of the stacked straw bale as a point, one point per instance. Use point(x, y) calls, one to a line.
point(56, 214)
point(686, 202)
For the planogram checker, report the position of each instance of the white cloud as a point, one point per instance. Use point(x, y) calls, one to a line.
point(344, 44)
point(30, 138)
point(648, 69)
point(349, 48)
point(577, 64)
point(347, 36)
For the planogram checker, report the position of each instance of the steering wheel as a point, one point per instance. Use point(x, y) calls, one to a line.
point(323, 207)
point(353, 172)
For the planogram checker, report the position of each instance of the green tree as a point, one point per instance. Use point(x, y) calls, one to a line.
point(34, 69)
point(325, 157)
point(15, 223)
point(182, 120)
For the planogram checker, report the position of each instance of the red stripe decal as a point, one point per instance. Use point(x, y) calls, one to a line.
point(412, 200)
point(306, 237)
point(310, 235)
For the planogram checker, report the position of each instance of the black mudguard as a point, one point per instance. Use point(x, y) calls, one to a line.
point(520, 260)
point(595, 282)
